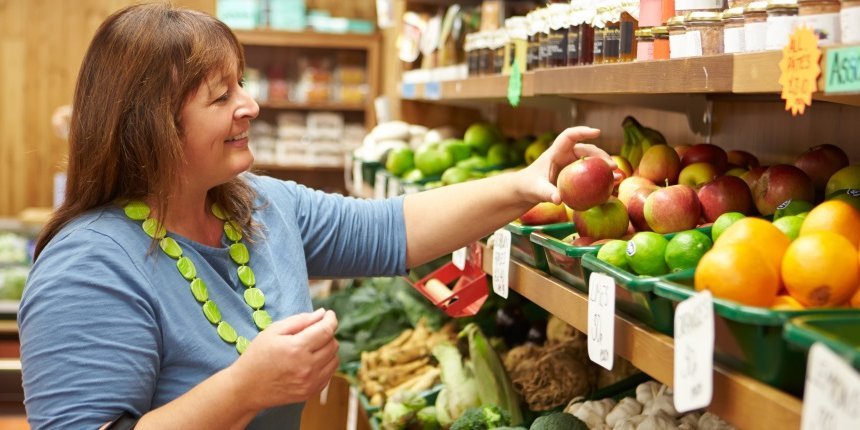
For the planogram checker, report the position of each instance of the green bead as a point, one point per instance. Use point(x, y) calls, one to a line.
point(227, 332)
point(210, 309)
point(232, 230)
point(152, 229)
point(255, 298)
point(246, 275)
point(239, 253)
point(218, 211)
point(137, 210)
point(262, 319)
point(186, 268)
point(199, 290)
point(170, 247)
point(242, 344)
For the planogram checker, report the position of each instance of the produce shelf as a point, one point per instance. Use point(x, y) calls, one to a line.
point(332, 106)
point(307, 39)
point(738, 399)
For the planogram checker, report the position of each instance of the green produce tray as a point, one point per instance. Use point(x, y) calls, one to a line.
point(841, 333)
point(564, 259)
point(530, 253)
point(750, 338)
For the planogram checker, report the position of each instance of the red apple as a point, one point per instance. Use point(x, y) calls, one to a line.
point(629, 185)
point(544, 213)
point(846, 178)
point(585, 183)
point(820, 163)
point(779, 183)
point(636, 208)
point(623, 166)
point(736, 171)
point(660, 164)
point(606, 221)
point(706, 153)
point(681, 149)
point(725, 194)
point(742, 159)
point(583, 241)
point(697, 174)
point(672, 209)
point(752, 176)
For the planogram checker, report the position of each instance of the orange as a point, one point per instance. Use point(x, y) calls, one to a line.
point(835, 216)
point(738, 272)
point(759, 234)
point(786, 303)
point(855, 299)
point(821, 269)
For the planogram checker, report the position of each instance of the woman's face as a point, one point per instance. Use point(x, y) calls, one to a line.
point(215, 122)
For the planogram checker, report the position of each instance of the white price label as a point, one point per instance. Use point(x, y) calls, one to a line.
point(459, 258)
point(831, 399)
point(501, 261)
point(601, 320)
point(352, 409)
point(694, 44)
point(694, 352)
point(380, 181)
point(410, 189)
point(393, 187)
point(357, 175)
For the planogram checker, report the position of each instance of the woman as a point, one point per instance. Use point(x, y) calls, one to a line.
point(160, 222)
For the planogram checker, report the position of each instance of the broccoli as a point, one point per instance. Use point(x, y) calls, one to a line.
point(482, 418)
point(558, 421)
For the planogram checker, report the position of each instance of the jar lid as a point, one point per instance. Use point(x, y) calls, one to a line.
point(735, 12)
point(660, 31)
point(756, 6)
point(703, 17)
point(782, 4)
point(676, 20)
point(644, 32)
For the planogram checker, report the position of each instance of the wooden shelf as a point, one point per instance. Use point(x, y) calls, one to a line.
point(335, 106)
point(298, 167)
point(307, 39)
point(738, 399)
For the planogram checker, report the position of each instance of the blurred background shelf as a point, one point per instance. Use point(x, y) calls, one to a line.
point(307, 39)
point(313, 106)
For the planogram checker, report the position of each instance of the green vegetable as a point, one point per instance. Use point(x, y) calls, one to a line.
point(558, 421)
point(482, 418)
point(427, 419)
point(401, 412)
point(494, 384)
point(460, 391)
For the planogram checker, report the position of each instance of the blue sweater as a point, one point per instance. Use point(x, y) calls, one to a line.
point(107, 327)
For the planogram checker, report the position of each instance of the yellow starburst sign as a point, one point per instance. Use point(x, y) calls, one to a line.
point(800, 70)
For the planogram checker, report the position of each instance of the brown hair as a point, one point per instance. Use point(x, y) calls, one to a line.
point(125, 138)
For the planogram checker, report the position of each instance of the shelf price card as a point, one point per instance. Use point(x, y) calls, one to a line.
point(501, 261)
point(694, 352)
point(800, 70)
point(601, 320)
point(831, 398)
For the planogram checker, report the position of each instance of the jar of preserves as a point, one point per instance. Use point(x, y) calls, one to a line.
point(644, 44)
point(543, 30)
point(575, 22)
point(822, 16)
point(849, 21)
point(612, 41)
point(517, 29)
point(500, 42)
point(661, 42)
point(677, 37)
point(471, 55)
point(533, 49)
point(628, 43)
point(733, 30)
point(599, 24)
point(559, 28)
point(781, 17)
point(704, 34)
point(755, 26)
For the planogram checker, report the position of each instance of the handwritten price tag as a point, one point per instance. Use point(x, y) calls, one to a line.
point(357, 175)
point(459, 258)
point(501, 261)
point(379, 185)
point(694, 352)
point(393, 187)
point(800, 70)
point(601, 320)
point(831, 399)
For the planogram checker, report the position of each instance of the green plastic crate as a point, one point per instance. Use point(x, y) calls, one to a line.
point(530, 253)
point(564, 259)
point(750, 338)
point(841, 333)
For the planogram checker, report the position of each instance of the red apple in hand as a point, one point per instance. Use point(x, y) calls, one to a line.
point(672, 209)
point(606, 221)
point(629, 185)
point(660, 164)
point(697, 174)
point(636, 208)
point(544, 213)
point(820, 163)
point(725, 194)
point(706, 153)
point(585, 183)
point(742, 159)
point(779, 183)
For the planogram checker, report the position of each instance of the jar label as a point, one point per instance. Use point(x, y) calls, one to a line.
point(755, 34)
point(779, 29)
point(825, 26)
point(677, 45)
point(733, 40)
point(850, 18)
point(612, 44)
point(627, 36)
point(645, 51)
point(694, 44)
point(698, 4)
point(573, 46)
point(556, 47)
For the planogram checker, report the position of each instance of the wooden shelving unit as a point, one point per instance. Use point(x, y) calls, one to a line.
point(313, 106)
point(738, 399)
point(307, 39)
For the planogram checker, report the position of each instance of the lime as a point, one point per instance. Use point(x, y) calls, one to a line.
point(645, 253)
point(473, 163)
point(400, 161)
point(458, 149)
point(792, 207)
point(480, 137)
point(790, 225)
point(685, 249)
point(614, 252)
point(723, 222)
point(498, 155)
point(850, 196)
point(413, 175)
point(456, 175)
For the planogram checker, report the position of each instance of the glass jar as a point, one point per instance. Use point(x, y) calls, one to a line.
point(599, 38)
point(733, 30)
point(533, 51)
point(575, 21)
point(586, 43)
point(755, 26)
point(612, 41)
point(559, 28)
point(628, 43)
point(644, 44)
point(823, 17)
point(516, 28)
point(849, 21)
point(500, 41)
point(661, 42)
point(684, 7)
point(543, 29)
point(704, 34)
point(781, 17)
point(677, 37)
point(471, 55)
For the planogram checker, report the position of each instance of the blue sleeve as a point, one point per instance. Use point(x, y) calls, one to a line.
point(345, 236)
point(90, 340)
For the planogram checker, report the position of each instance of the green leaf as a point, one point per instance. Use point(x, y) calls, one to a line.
point(262, 319)
point(239, 253)
point(153, 229)
point(170, 247)
point(186, 268)
point(227, 332)
point(255, 298)
point(137, 210)
point(199, 290)
point(246, 275)
point(213, 314)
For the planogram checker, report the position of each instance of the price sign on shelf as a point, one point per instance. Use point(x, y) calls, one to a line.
point(694, 352)
point(459, 258)
point(831, 398)
point(601, 320)
point(379, 184)
point(501, 261)
point(432, 91)
point(357, 175)
point(393, 187)
point(800, 70)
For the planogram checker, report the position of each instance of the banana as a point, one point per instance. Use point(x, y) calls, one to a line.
point(637, 140)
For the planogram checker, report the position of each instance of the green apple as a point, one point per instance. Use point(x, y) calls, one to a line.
point(845, 178)
point(535, 150)
point(400, 161)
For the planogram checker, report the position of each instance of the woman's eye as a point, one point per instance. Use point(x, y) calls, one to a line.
point(223, 98)
point(242, 83)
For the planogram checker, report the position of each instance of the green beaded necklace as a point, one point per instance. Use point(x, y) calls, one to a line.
point(254, 298)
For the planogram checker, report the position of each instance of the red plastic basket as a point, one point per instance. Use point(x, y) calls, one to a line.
point(468, 294)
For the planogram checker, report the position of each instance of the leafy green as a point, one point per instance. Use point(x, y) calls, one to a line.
point(401, 412)
point(558, 421)
point(460, 391)
point(494, 384)
point(482, 418)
